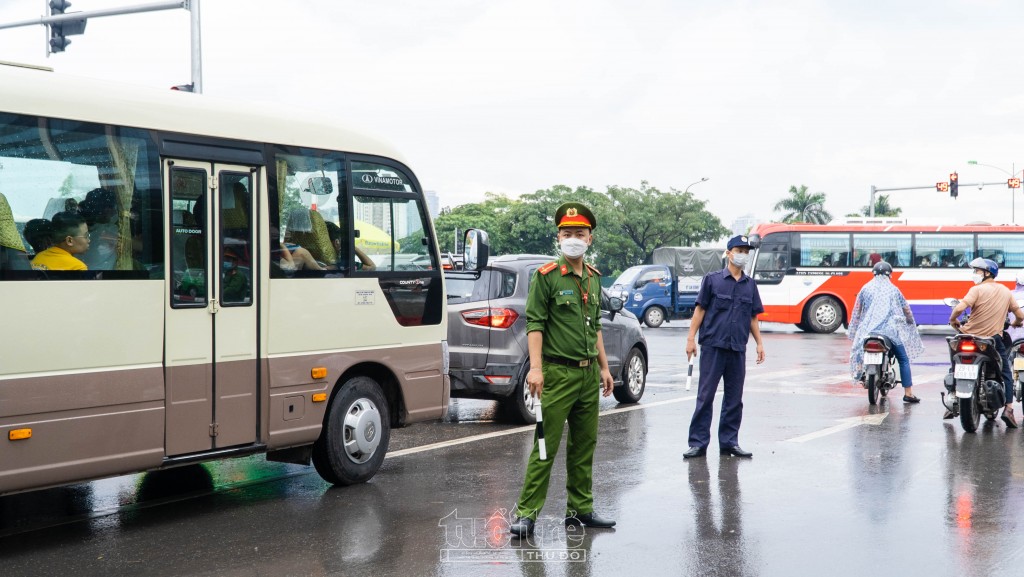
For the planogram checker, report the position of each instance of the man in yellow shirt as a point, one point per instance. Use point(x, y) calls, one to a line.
point(70, 238)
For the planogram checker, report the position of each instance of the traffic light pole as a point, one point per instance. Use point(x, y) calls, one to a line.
point(874, 190)
point(190, 5)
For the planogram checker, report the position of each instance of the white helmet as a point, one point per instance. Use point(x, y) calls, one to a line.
point(1020, 278)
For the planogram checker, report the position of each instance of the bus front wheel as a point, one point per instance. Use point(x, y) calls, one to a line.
point(824, 315)
point(355, 434)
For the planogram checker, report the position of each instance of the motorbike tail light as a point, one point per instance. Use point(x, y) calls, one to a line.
point(874, 347)
point(968, 346)
point(493, 318)
point(1020, 349)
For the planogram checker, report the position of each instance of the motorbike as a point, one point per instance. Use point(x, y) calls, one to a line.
point(880, 366)
point(974, 383)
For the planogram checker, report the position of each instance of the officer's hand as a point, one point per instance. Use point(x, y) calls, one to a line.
point(760, 354)
point(535, 380)
point(607, 382)
point(691, 348)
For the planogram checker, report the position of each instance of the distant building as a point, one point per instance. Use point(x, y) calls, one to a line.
point(743, 224)
point(433, 203)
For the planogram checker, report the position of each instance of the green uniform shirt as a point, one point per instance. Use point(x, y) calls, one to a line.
point(555, 307)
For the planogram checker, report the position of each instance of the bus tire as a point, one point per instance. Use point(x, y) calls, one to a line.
point(355, 434)
point(654, 316)
point(824, 315)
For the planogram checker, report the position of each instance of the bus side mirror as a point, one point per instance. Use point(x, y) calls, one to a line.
point(475, 251)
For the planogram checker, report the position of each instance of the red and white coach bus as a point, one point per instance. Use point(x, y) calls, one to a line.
point(809, 275)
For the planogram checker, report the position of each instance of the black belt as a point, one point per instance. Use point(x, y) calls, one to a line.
point(569, 362)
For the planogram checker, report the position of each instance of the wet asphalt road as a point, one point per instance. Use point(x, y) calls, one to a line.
point(836, 487)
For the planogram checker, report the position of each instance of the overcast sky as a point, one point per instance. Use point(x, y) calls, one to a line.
point(515, 96)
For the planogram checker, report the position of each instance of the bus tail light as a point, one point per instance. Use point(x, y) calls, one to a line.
point(19, 434)
point(318, 373)
point(319, 397)
point(493, 318)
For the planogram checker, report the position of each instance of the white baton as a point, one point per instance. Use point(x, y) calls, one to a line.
point(541, 445)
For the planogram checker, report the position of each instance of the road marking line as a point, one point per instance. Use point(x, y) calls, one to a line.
point(524, 429)
point(842, 426)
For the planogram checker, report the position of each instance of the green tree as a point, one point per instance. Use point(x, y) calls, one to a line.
point(882, 207)
point(802, 206)
point(491, 215)
point(67, 188)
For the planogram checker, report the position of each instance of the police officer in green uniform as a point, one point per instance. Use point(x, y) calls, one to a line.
point(568, 367)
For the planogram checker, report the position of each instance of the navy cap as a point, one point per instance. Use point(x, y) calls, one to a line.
point(738, 240)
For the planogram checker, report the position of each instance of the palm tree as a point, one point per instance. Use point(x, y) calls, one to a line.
point(882, 207)
point(802, 206)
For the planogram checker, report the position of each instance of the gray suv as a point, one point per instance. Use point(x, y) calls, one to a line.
point(487, 337)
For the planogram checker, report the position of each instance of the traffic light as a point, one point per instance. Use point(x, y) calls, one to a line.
point(59, 32)
point(942, 186)
point(954, 181)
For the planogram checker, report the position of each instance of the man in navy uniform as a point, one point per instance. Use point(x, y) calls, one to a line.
point(727, 307)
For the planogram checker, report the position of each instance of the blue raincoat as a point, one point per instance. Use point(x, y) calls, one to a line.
point(881, 309)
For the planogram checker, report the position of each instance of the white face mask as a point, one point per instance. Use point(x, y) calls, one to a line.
point(573, 247)
point(740, 259)
point(978, 277)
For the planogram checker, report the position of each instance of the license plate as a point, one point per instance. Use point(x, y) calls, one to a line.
point(875, 358)
point(966, 372)
point(1018, 364)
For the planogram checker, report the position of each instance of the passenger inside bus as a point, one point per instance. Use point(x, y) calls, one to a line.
point(12, 250)
point(363, 261)
point(70, 239)
point(100, 212)
point(39, 234)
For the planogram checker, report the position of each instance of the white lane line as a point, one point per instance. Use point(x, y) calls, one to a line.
point(842, 426)
point(525, 429)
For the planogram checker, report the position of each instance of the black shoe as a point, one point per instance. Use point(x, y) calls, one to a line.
point(695, 452)
point(521, 527)
point(589, 520)
point(736, 451)
point(948, 415)
point(907, 399)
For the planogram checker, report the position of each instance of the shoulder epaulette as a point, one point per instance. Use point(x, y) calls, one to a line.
point(593, 270)
point(548, 268)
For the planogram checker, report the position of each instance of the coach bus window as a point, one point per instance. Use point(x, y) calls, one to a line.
point(871, 249)
point(107, 175)
point(236, 239)
point(943, 250)
point(391, 232)
point(188, 237)
point(308, 190)
point(1006, 249)
point(824, 249)
point(772, 262)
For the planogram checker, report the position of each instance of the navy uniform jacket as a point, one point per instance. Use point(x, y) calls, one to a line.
point(728, 307)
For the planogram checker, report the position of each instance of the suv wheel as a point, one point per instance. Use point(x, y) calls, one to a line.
point(517, 406)
point(634, 378)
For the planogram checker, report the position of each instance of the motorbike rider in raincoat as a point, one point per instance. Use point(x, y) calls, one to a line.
point(882, 309)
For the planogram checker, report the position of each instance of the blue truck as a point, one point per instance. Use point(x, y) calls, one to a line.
point(666, 289)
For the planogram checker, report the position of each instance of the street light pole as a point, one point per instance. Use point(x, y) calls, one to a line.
point(703, 179)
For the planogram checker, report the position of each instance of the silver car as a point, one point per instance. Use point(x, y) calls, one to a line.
point(487, 337)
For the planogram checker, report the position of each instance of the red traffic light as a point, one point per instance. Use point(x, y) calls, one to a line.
point(1013, 183)
point(942, 186)
point(953, 177)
